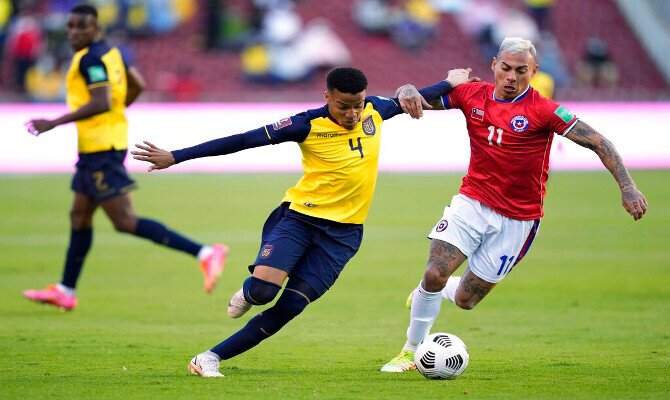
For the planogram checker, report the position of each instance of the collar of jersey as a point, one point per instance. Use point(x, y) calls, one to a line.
point(514, 100)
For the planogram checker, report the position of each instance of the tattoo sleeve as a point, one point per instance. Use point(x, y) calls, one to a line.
point(586, 136)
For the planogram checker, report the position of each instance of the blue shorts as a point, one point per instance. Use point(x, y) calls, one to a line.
point(102, 175)
point(312, 249)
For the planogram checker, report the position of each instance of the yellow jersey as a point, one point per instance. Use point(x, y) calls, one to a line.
point(340, 166)
point(99, 65)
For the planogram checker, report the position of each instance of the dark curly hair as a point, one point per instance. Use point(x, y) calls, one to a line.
point(84, 9)
point(346, 80)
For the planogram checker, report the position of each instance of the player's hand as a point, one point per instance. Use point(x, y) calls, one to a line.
point(459, 76)
point(411, 101)
point(634, 202)
point(159, 158)
point(38, 126)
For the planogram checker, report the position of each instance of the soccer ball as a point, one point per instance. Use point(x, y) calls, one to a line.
point(441, 356)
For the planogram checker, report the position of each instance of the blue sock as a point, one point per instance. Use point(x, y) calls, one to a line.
point(80, 243)
point(263, 325)
point(159, 233)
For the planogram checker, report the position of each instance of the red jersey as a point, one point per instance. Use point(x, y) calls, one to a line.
point(510, 143)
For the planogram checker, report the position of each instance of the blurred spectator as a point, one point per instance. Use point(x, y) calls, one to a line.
point(373, 16)
point(596, 68)
point(543, 83)
point(255, 60)
point(182, 86)
point(540, 11)
point(478, 20)
point(45, 81)
point(416, 24)
point(6, 12)
point(285, 51)
point(25, 42)
point(512, 23)
point(552, 61)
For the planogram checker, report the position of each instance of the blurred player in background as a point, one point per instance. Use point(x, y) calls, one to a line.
point(318, 227)
point(100, 85)
point(494, 218)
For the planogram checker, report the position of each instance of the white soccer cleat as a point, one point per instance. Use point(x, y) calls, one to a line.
point(238, 306)
point(205, 365)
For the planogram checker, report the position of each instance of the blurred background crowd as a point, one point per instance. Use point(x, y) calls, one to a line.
point(280, 50)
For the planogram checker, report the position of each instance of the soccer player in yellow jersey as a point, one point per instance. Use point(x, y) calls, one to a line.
point(318, 227)
point(100, 85)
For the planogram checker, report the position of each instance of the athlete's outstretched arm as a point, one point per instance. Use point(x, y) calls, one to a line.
point(631, 198)
point(159, 158)
point(98, 104)
point(413, 103)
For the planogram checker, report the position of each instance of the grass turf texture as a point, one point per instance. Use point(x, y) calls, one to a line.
point(586, 315)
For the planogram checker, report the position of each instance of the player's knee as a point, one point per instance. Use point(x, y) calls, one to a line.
point(127, 224)
point(433, 281)
point(258, 292)
point(465, 304)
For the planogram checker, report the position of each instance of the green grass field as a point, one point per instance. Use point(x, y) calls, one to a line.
point(586, 315)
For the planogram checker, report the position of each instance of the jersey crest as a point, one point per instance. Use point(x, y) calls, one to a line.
point(369, 126)
point(442, 225)
point(519, 123)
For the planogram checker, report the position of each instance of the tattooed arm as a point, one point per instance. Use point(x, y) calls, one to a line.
point(631, 198)
point(413, 103)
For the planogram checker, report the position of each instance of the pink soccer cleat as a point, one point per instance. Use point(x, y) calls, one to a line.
point(213, 265)
point(53, 296)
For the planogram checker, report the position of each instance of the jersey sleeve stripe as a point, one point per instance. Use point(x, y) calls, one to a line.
point(98, 84)
point(565, 132)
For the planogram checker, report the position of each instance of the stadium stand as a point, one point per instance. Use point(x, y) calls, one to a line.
point(221, 77)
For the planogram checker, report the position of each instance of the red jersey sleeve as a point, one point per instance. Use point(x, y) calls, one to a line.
point(556, 118)
point(454, 99)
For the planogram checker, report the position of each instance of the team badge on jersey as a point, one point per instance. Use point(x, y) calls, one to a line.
point(477, 114)
point(282, 123)
point(519, 123)
point(442, 225)
point(369, 126)
point(267, 250)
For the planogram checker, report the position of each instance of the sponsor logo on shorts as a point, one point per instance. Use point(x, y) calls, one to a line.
point(267, 250)
point(369, 126)
point(442, 225)
point(519, 123)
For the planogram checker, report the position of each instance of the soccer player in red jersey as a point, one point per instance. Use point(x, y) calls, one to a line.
point(494, 218)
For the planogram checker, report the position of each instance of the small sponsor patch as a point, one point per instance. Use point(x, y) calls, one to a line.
point(369, 126)
point(267, 250)
point(442, 225)
point(308, 204)
point(477, 114)
point(282, 123)
point(519, 123)
point(564, 114)
point(97, 73)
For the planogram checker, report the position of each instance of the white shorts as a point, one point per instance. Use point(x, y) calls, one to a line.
point(493, 243)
